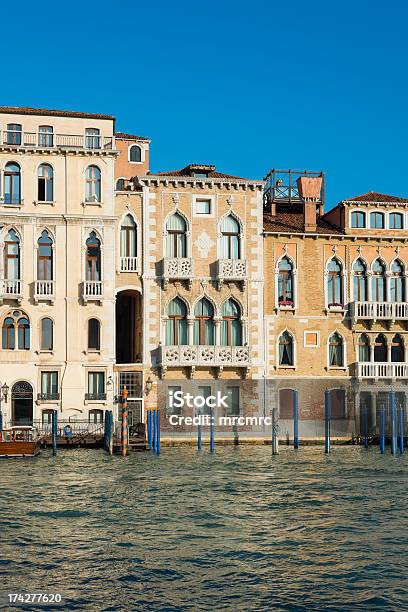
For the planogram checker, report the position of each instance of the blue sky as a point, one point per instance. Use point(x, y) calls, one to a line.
point(244, 85)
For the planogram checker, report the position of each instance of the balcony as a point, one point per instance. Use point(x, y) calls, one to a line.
point(95, 397)
point(47, 397)
point(177, 268)
point(204, 356)
point(381, 370)
point(375, 311)
point(92, 291)
point(31, 140)
point(10, 289)
point(129, 264)
point(44, 290)
point(231, 270)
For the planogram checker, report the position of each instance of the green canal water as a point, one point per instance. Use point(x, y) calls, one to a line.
point(240, 530)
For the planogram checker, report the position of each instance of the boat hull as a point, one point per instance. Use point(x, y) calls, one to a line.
point(19, 449)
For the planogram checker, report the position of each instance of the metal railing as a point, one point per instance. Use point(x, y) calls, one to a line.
point(78, 428)
point(129, 264)
point(14, 138)
point(44, 288)
point(381, 370)
point(44, 397)
point(95, 396)
point(380, 310)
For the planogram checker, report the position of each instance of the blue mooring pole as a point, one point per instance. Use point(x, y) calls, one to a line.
point(149, 428)
point(199, 434)
point(158, 431)
point(401, 430)
point(212, 442)
point(154, 418)
point(105, 429)
point(296, 419)
point(382, 430)
point(327, 422)
point(365, 420)
point(54, 431)
point(1, 422)
point(393, 425)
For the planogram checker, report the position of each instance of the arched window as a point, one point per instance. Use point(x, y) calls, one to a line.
point(396, 221)
point(397, 349)
point(45, 136)
point(334, 283)
point(135, 154)
point(47, 334)
point(176, 242)
point(12, 256)
point(397, 282)
point(285, 283)
point(120, 184)
point(94, 335)
point(93, 184)
point(8, 334)
point(363, 348)
point(378, 282)
point(128, 237)
point(44, 257)
point(12, 184)
point(286, 356)
point(377, 220)
point(14, 131)
point(360, 281)
point(358, 219)
point(230, 238)
point(231, 326)
point(176, 324)
point(45, 183)
point(204, 323)
point(380, 349)
point(23, 333)
point(92, 138)
point(336, 352)
point(93, 258)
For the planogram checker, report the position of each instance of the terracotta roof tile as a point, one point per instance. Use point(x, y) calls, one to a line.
point(26, 110)
point(292, 222)
point(124, 136)
point(211, 172)
point(375, 197)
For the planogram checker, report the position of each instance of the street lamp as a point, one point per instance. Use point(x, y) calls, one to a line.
point(4, 389)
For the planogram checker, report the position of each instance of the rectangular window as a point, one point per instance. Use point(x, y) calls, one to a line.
point(171, 409)
point(96, 385)
point(49, 385)
point(202, 206)
point(232, 401)
point(14, 133)
point(204, 391)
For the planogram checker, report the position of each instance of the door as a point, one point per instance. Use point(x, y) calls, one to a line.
point(22, 403)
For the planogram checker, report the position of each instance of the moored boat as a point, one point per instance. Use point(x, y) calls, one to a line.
point(19, 441)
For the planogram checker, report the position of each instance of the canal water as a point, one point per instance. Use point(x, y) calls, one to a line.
point(240, 530)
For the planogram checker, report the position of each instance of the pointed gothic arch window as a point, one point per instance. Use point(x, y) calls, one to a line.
point(204, 331)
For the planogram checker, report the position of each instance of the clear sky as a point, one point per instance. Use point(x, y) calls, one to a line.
point(244, 85)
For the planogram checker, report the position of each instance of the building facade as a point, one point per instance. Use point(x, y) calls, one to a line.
point(190, 280)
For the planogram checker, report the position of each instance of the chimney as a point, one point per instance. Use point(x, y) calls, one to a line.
point(310, 188)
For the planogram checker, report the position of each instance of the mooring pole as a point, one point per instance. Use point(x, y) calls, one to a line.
point(327, 422)
point(54, 429)
point(124, 440)
point(111, 427)
point(105, 429)
point(401, 429)
point(1, 422)
point(149, 429)
point(158, 432)
point(382, 429)
point(199, 433)
point(296, 419)
point(154, 420)
point(212, 440)
point(393, 425)
point(365, 420)
point(275, 441)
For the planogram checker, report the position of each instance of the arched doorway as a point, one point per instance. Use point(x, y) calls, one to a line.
point(129, 327)
point(22, 403)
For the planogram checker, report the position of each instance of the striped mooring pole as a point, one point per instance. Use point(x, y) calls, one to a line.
point(110, 432)
point(327, 422)
point(295, 419)
point(54, 431)
point(124, 437)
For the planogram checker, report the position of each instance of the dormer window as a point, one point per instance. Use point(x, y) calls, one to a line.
point(201, 174)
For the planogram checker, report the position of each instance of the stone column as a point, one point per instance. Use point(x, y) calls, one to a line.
point(190, 331)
